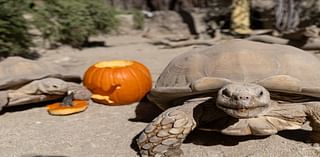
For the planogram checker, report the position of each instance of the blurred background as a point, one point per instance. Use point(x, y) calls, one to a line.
point(77, 33)
point(25, 24)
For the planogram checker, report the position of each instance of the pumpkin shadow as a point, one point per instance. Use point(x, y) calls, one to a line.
point(146, 111)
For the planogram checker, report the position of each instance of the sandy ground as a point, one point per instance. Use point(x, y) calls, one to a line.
point(107, 131)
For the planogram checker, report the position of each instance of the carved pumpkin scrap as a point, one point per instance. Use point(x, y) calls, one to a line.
point(117, 82)
point(67, 106)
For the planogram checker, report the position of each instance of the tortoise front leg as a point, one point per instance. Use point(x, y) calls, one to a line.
point(165, 134)
point(295, 115)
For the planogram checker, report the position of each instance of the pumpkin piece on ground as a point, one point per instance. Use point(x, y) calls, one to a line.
point(67, 106)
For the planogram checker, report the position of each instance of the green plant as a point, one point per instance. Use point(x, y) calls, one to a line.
point(14, 36)
point(102, 15)
point(138, 19)
point(74, 21)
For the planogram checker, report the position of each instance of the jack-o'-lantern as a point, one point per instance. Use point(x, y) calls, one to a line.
point(117, 82)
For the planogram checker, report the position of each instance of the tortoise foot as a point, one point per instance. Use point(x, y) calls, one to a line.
point(313, 113)
point(165, 134)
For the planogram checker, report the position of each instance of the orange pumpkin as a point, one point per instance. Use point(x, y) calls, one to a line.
point(117, 82)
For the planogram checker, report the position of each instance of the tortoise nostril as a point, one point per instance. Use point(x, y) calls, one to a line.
point(234, 95)
point(237, 97)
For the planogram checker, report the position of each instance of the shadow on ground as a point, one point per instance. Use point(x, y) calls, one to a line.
point(92, 44)
point(43, 156)
point(146, 111)
point(209, 138)
point(24, 107)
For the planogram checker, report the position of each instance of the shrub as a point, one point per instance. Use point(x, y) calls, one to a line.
point(74, 21)
point(138, 19)
point(14, 36)
point(103, 16)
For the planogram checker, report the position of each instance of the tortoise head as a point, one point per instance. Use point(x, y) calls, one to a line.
point(243, 100)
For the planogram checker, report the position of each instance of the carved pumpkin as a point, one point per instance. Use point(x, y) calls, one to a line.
point(117, 82)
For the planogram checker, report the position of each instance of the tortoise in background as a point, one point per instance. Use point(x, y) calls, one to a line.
point(236, 87)
point(24, 81)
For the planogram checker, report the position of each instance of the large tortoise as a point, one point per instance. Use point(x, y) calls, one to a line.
point(236, 87)
point(24, 81)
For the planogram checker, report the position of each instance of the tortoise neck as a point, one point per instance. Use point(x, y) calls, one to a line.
point(291, 97)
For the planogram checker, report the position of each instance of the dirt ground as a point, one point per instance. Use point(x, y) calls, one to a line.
point(108, 131)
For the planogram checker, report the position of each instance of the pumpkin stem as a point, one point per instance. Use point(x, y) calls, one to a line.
point(68, 100)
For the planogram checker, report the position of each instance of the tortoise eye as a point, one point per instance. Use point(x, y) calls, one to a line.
point(226, 93)
point(261, 93)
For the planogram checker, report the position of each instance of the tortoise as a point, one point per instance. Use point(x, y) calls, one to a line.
point(236, 87)
point(24, 81)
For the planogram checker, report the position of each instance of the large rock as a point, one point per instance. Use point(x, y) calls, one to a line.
point(166, 24)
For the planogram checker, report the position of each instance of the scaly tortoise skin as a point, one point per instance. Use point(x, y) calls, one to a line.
point(236, 87)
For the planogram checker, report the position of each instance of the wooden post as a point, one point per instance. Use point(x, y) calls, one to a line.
point(240, 17)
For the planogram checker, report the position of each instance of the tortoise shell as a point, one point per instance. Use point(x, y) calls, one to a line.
point(17, 71)
point(278, 68)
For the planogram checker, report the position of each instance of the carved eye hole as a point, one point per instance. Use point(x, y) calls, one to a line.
point(260, 94)
point(226, 93)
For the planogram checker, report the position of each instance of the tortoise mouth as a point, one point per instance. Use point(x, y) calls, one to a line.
point(241, 111)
